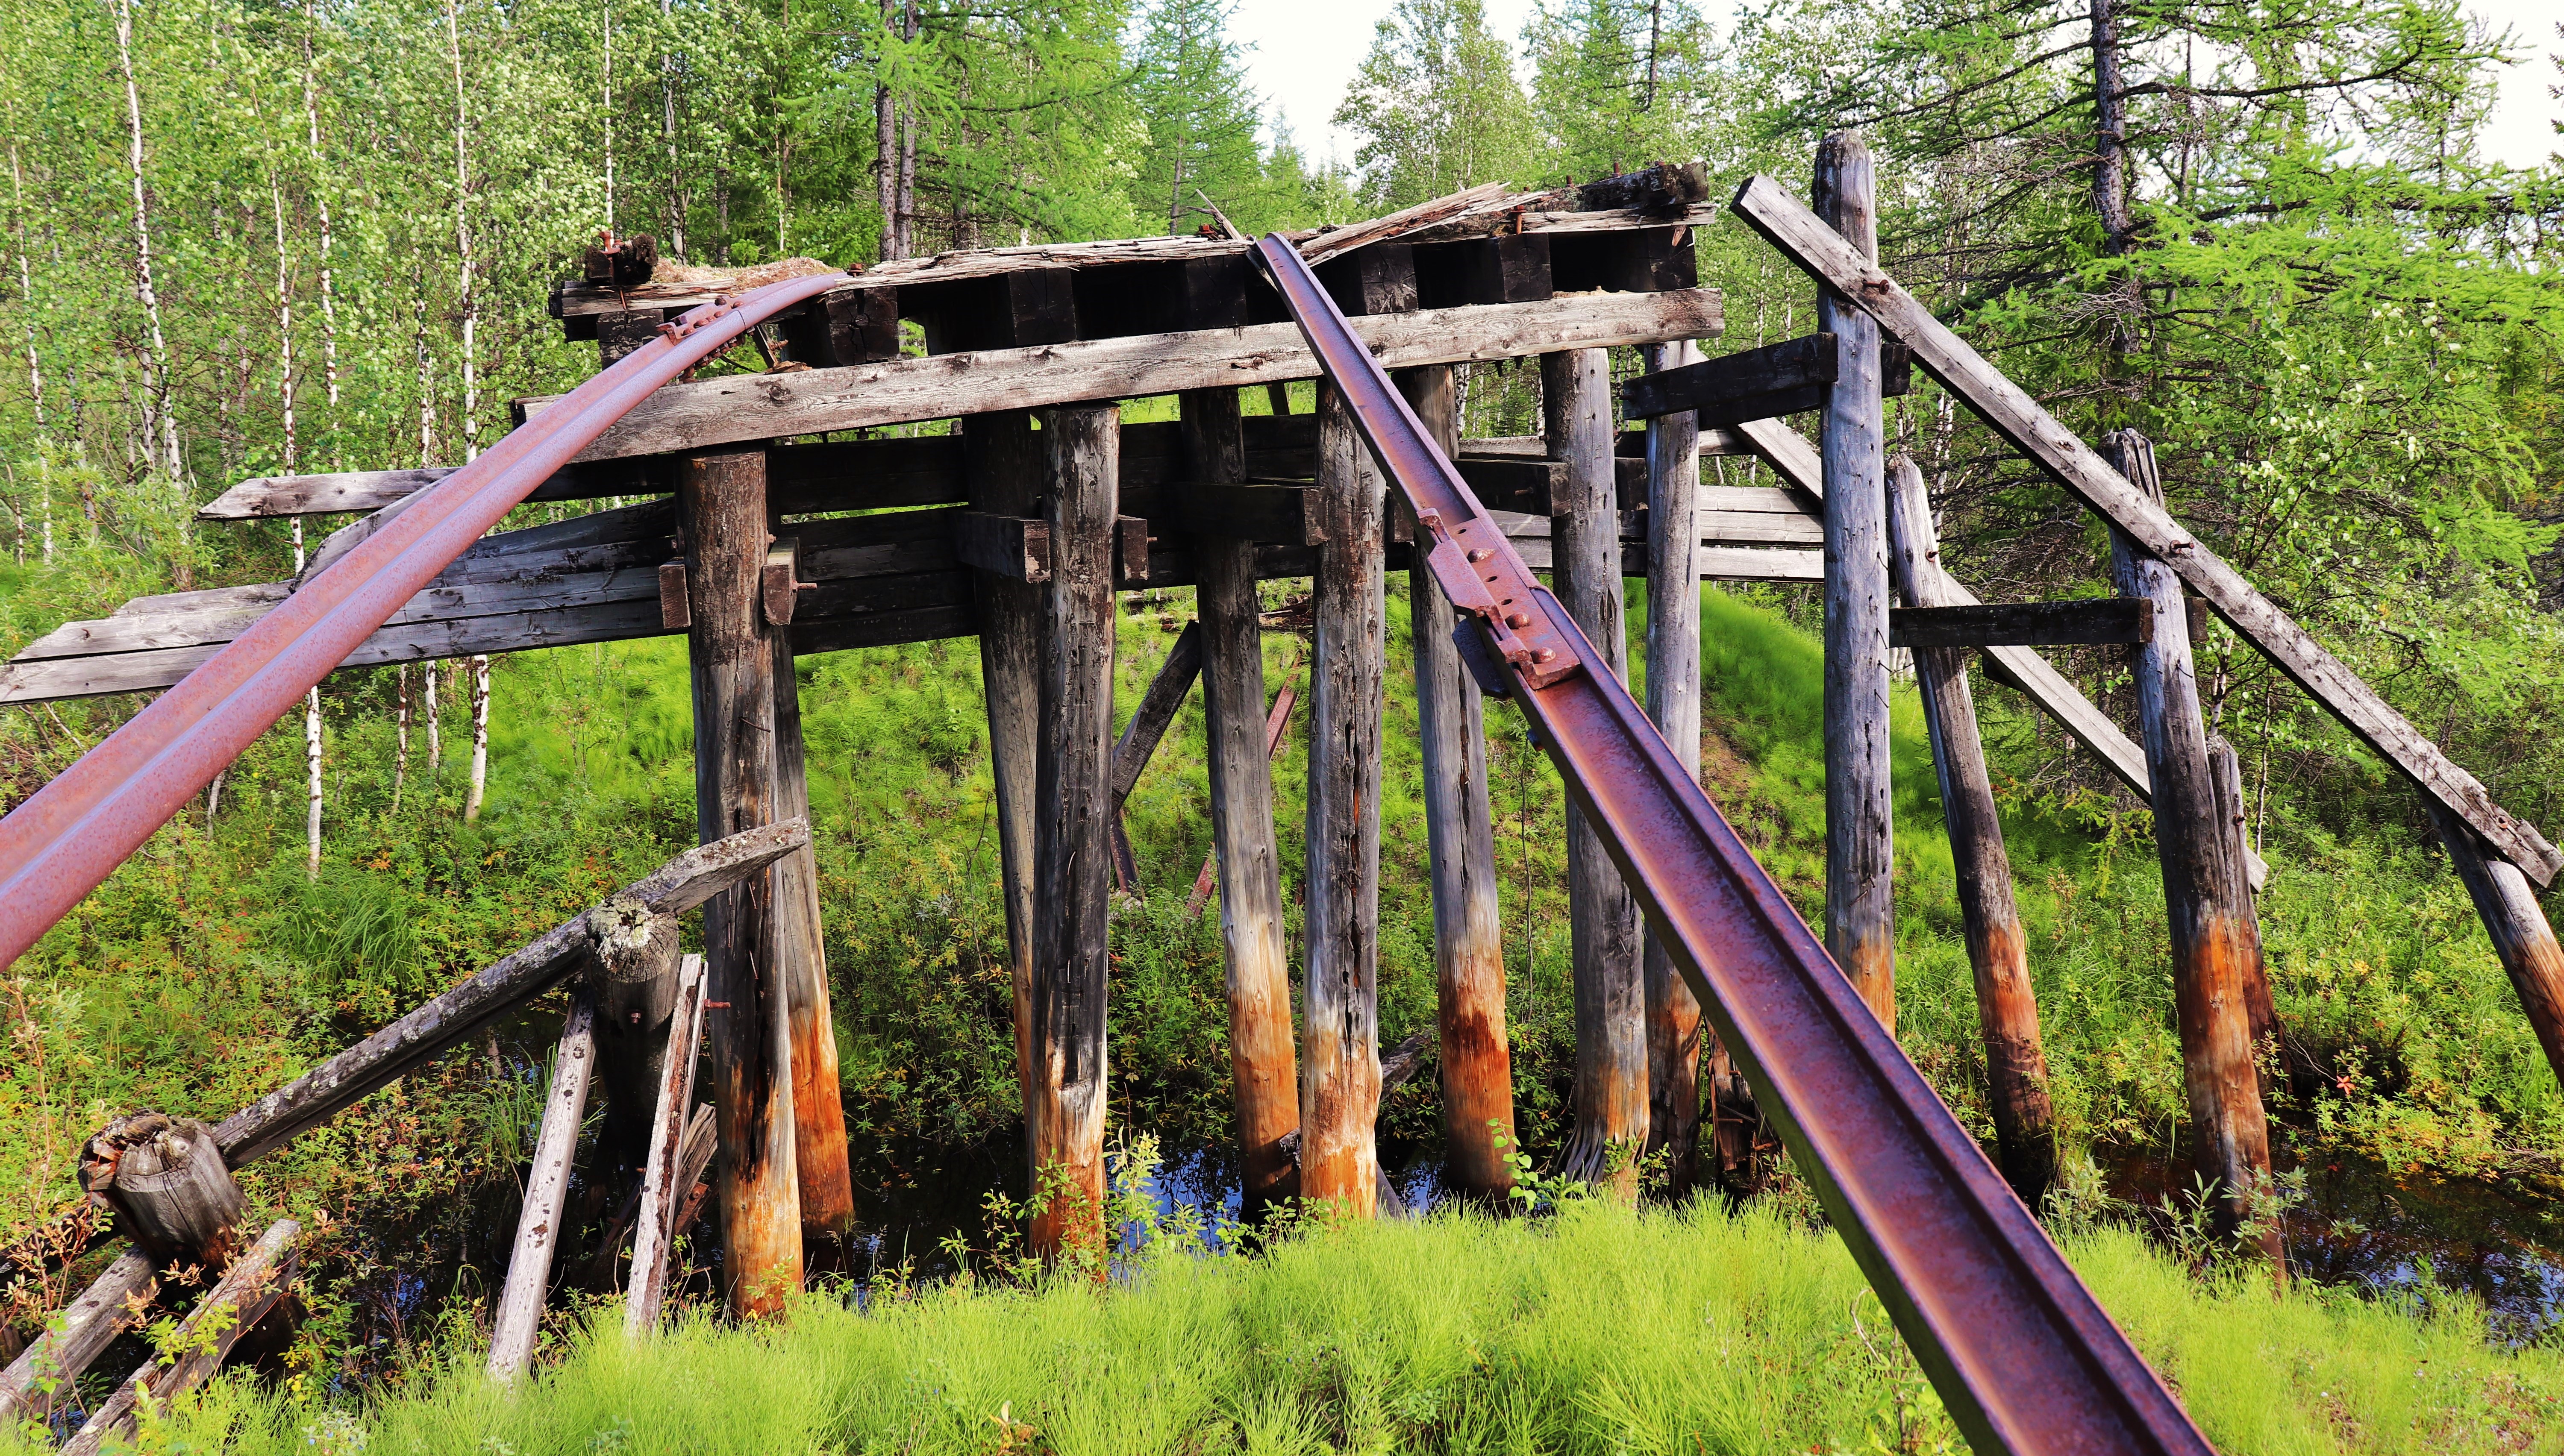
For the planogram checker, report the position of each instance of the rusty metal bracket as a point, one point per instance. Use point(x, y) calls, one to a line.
point(2021, 1352)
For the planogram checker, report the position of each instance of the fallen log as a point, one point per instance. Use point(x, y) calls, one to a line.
point(530, 1263)
point(250, 1288)
point(40, 1376)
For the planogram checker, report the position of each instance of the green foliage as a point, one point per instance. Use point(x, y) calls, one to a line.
point(1599, 1331)
point(1438, 106)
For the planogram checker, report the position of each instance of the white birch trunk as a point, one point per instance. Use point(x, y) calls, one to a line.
point(480, 738)
point(35, 367)
point(329, 290)
point(469, 303)
point(435, 736)
point(156, 364)
point(400, 733)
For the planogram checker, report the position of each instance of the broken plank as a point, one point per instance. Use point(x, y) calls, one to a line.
point(250, 1286)
point(2019, 419)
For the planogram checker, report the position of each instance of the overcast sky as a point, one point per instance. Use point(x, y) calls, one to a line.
point(1305, 51)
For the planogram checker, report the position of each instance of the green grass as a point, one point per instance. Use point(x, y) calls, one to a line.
point(1601, 1331)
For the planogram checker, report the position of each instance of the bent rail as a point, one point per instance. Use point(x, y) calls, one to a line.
point(2023, 1355)
point(71, 835)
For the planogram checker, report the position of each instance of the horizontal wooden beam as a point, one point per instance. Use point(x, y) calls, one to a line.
point(2097, 621)
point(684, 417)
point(1784, 378)
point(1280, 512)
point(2009, 409)
point(1016, 547)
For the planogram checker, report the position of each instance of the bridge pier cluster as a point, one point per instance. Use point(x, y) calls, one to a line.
point(761, 536)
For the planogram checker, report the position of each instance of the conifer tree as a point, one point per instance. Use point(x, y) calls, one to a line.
point(1192, 91)
point(1436, 106)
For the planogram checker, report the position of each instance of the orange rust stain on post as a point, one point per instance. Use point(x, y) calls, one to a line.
point(1339, 1160)
point(2015, 1064)
point(1673, 1113)
point(1264, 1068)
point(2219, 1075)
point(1477, 1072)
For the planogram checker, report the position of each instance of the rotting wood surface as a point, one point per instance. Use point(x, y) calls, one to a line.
point(248, 1289)
point(1001, 469)
point(538, 1220)
point(1674, 492)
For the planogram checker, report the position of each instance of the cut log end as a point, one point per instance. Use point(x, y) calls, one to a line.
point(167, 1180)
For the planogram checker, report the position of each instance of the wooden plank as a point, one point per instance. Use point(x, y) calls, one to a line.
point(1611, 1128)
point(1335, 242)
point(1791, 365)
point(1998, 949)
point(1004, 470)
point(1673, 1013)
point(845, 327)
point(42, 1379)
point(1377, 279)
point(1139, 736)
point(1506, 269)
point(417, 1038)
point(1072, 841)
point(1263, 1067)
point(2021, 420)
point(683, 417)
point(662, 1186)
point(731, 653)
point(1014, 547)
point(1283, 515)
point(2216, 945)
point(250, 1286)
point(1469, 929)
point(538, 1221)
point(1340, 1070)
point(2087, 621)
point(1860, 793)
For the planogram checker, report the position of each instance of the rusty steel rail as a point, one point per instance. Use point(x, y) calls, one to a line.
point(2021, 1352)
point(71, 835)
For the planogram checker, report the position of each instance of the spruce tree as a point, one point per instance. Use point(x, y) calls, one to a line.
point(1192, 91)
point(1438, 107)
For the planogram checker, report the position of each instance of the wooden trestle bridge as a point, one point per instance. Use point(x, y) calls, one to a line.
point(767, 527)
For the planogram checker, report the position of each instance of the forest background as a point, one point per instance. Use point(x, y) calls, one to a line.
point(249, 239)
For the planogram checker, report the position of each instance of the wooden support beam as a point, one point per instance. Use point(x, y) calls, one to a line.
point(42, 1379)
point(1459, 829)
point(1016, 547)
point(1998, 952)
point(1673, 703)
point(845, 326)
point(1263, 1067)
point(1375, 280)
point(635, 982)
point(618, 335)
point(1072, 842)
point(1506, 269)
point(252, 1286)
point(2090, 620)
point(2031, 429)
point(1624, 259)
point(1276, 515)
point(1004, 473)
point(2522, 935)
point(2019, 668)
point(2225, 774)
point(707, 412)
point(1275, 723)
point(820, 1162)
point(663, 1184)
point(1860, 794)
point(1784, 378)
point(1148, 724)
point(1611, 1130)
point(1340, 1071)
point(679, 886)
point(731, 650)
point(2216, 945)
point(538, 1221)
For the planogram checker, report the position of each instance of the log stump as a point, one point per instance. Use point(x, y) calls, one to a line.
point(166, 1180)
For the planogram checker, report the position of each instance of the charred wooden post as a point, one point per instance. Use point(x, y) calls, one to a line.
point(1263, 1067)
point(635, 982)
point(1002, 467)
point(1860, 848)
point(252, 1286)
point(2214, 940)
point(663, 1184)
point(538, 1223)
point(40, 1381)
point(1468, 932)
point(168, 1182)
point(819, 1157)
point(2007, 1008)
point(1340, 1072)
point(1673, 701)
point(1610, 988)
point(2522, 934)
point(721, 506)
point(1072, 832)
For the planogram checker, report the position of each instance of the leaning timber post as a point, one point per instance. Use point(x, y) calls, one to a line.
point(1673, 701)
point(2226, 771)
point(2007, 1007)
point(1072, 832)
point(1263, 1065)
point(1340, 1073)
point(2522, 935)
point(748, 1004)
point(1468, 932)
point(1860, 846)
point(1611, 1128)
point(1001, 466)
point(827, 1179)
point(2212, 933)
point(538, 1223)
point(635, 980)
